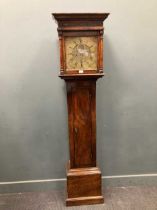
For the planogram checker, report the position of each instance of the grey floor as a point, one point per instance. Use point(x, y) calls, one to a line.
point(120, 198)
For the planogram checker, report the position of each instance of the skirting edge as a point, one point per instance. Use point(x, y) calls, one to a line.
point(84, 200)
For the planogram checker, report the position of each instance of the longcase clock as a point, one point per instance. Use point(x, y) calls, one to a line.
point(81, 64)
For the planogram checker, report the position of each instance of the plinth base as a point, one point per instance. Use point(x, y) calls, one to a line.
point(84, 200)
point(84, 186)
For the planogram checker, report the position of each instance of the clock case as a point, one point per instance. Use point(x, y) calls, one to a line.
point(83, 175)
point(80, 24)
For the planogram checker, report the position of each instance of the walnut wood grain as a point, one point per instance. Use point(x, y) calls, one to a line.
point(69, 17)
point(83, 186)
point(61, 54)
point(83, 175)
point(84, 200)
point(80, 24)
point(82, 122)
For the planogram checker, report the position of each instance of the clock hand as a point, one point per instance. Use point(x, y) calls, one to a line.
point(81, 64)
point(80, 40)
point(90, 46)
point(75, 43)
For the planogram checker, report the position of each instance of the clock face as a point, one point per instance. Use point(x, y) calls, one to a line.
point(81, 53)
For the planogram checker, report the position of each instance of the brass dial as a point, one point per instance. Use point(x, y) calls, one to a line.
point(81, 53)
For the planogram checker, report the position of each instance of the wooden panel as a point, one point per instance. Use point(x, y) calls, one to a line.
point(82, 127)
point(82, 123)
point(80, 33)
point(79, 188)
point(79, 185)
